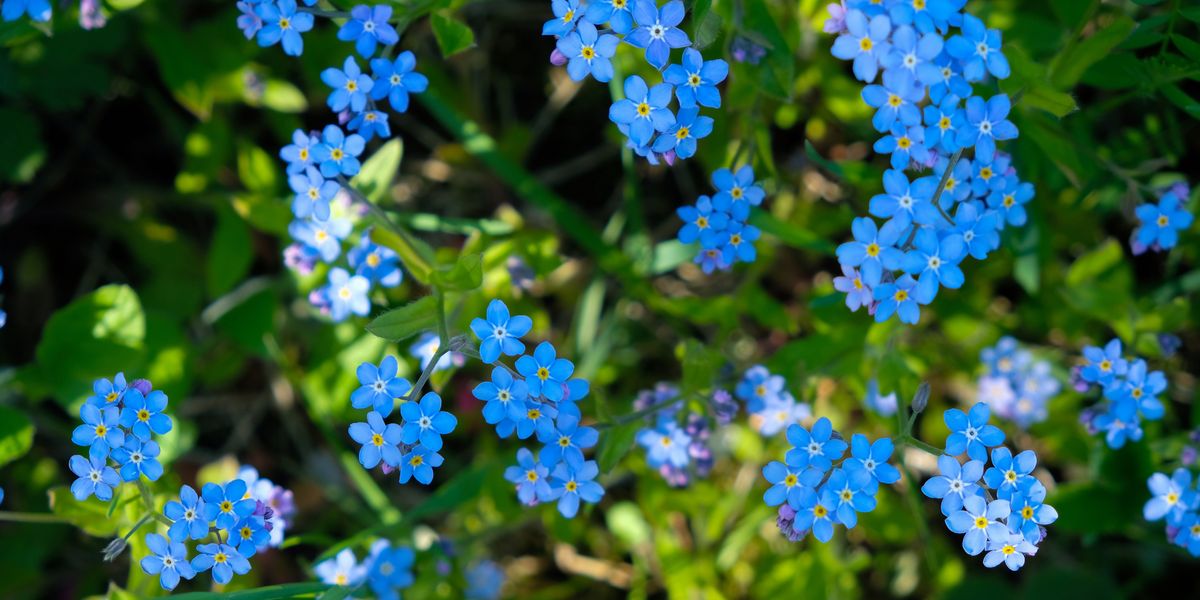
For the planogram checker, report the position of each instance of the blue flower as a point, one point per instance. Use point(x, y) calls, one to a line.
point(956, 483)
point(906, 145)
point(107, 393)
point(1029, 513)
point(569, 485)
point(701, 222)
point(780, 412)
point(538, 417)
point(248, 22)
point(168, 560)
point(737, 243)
point(1119, 423)
point(1188, 535)
point(485, 581)
point(1010, 549)
point(980, 521)
point(912, 56)
point(390, 569)
point(350, 87)
point(644, 110)
point(873, 249)
point(138, 458)
point(545, 373)
point(696, 80)
point(978, 231)
point(735, 187)
point(500, 333)
point(864, 43)
point(325, 238)
point(986, 123)
point(566, 13)
point(143, 415)
point(790, 484)
point(38, 10)
point(299, 153)
point(1010, 200)
point(958, 185)
point(988, 176)
point(1006, 358)
point(1008, 473)
point(419, 464)
point(348, 294)
point(1103, 365)
point(1161, 223)
point(758, 386)
point(817, 449)
point(1172, 497)
point(226, 505)
point(897, 298)
point(379, 264)
point(250, 535)
point(978, 49)
point(665, 444)
point(1141, 389)
point(530, 477)
point(816, 512)
point(379, 441)
point(971, 433)
point(369, 124)
point(588, 52)
point(338, 153)
point(927, 15)
point(94, 477)
point(427, 346)
point(100, 430)
point(936, 261)
point(426, 422)
point(379, 386)
point(657, 30)
point(187, 514)
point(895, 100)
point(396, 80)
point(282, 21)
point(343, 569)
point(849, 494)
point(369, 26)
point(614, 12)
point(885, 405)
point(942, 122)
point(903, 201)
point(313, 194)
point(504, 397)
point(858, 293)
point(566, 442)
point(223, 559)
point(869, 460)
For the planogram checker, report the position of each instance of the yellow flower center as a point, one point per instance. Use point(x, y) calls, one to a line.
point(944, 123)
point(665, 441)
point(377, 439)
point(1027, 512)
point(247, 533)
point(1196, 530)
point(900, 295)
point(865, 44)
point(337, 154)
point(226, 506)
point(587, 52)
point(819, 511)
point(111, 397)
point(1008, 549)
point(531, 475)
point(417, 460)
point(1163, 220)
point(1172, 498)
point(791, 480)
point(735, 239)
point(643, 110)
point(572, 486)
point(619, 3)
point(304, 154)
point(1010, 475)
point(872, 249)
point(894, 101)
point(220, 558)
point(847, 495)
point(736, 192)
point(1009, 201)
point(904, 143)
point(858, 284)
point(344, 293)
point(702, 222)
point(570, 14)
point(694, 79)
point(682, 133)
point(101, 430)
point(1105, 365)
point(321, 235)
point(1136, 393)
point(981, 522)
point(143, 415)
point(313, 193)
point(918, 4)
point(564, 441)
point(351, 85)
point(373, 259)
point(985, 173)
point(340, 579)
point(543, 373)
point(285, 23)
point(760, 390)
point(534, 414)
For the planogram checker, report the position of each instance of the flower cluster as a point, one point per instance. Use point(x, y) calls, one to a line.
point(120, 421)
point(1000, 509)
point(929, 116)
point(237, 520)
point(813, 494)
point(1178, 501)
point(676, 441)
point(538, 398)
point(387, 569)
point(1131, 393)
point(652, 129)
point(771, 407)
point(1161, 223)
point(719, 222)
point(1016, 386)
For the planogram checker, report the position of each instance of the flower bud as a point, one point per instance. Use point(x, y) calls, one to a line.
point(921, 398)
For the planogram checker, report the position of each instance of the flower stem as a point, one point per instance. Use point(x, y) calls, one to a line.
point(28, 517)
point(909, 440)
point(328, 14)
point(408, 250)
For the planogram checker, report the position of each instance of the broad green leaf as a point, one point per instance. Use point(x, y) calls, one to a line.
point(453, 36)
point(1070, 65)
point(257, 170)
point(626, 521)
point(778, 68)
point(464, 275)
point(615, 443)
point(229, 253)
point(1189, 47)
point(16, 434)
point(811, 152)
point(706, 24)
point(416, 255)
point(402, 323)
point(377, 173)
point(270, 592)
point(90, 515)
point(1099, 283)
point(283, 96)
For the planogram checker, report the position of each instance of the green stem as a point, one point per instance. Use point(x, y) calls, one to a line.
point(28, 517)
point(148, 502)
point(415, 392)
point(909, 440)
point(443, 331)
point(328, 14)
point(633, 416)
point(402, 241)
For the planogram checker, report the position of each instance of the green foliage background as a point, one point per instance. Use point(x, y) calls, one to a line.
point(143, 214)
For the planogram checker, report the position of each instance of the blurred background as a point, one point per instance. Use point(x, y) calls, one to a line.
point(140, 159)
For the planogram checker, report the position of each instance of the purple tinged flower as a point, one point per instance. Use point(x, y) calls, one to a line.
point(657, 30)
point(696, 80)
point(282, 21)
point(248, 21)
point(426, 422)
point(746, 50)
point(897, 298)
point(865, 42)
point(588, 53)
point(986, 123)
point(971, 433)
point(530, 477)
point(956, 483)
point(836, 23)
point(500, 333)
point(980, 521)
point(368, 26)
point(936, 262)
point(978, 49)
point(858, 293)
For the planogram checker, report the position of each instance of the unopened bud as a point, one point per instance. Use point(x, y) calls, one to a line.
point(921, 398)
point(114, 549)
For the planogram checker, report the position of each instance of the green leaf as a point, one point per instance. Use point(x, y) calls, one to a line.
point(90, 515)
point(270, 592)
point(707, 24)
point(626, 521)
point(257, 169)
point(778, 68)
point(1070, 64)
point(95, 336)
point(1099, 283)
point(790, 234)
point(402, 323)
point(615, 444)
point(16, 434)
point(1180, 98)
point(700, 366)
point(230, 253)
point(283, 96)
point(377, 173)
point(413, 252)
point(464, 275)
point(833, 168)
point(1188, 47)
point(453, 36)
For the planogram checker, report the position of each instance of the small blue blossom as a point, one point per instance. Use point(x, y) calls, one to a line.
point(817, 449)
point(927, 15)
point(885, 405)
point(283, 22)
point(869, 460)
point(1188, 534)
point(696, 80)
point(325, 238)
point(790, 484)
point(895, 100)
point(732, 188)
point(1009, 472)
point(226, 505)
point(538, 418)
point(1162, 222)
point(396, 80)
point(644, 109)
point(566, 13)
point(737, 243)
point(350, 87)
point(369, 124)
point(1120, 424)
point(905, 144)
point(143, 415)
point(137, 458)
point(781, 412)
point(896, 298)
point(100, 430)
point(338, 153)
point(545, 373)
point(566, 442)
point(986, 122)
point(504, 397)
point(249, 535)
point(866, 43)
point(681, 137)
point(380, 386)
point(616, 13)
point(426, 422)
point(758, 386)
point(368, 26)
point(389, 570)
point(873, 249)
point(1009, 201)
point(588, 53)
point(378, 264)
point(701, 222)
point(500, 333)
point(1029, 513)
point(570, 485)
point(485, 581)
point(38, 10)
point(94, 477)
point(1010, 549)
point(299, 153)
point(978, 49)
point(348, 294)
point(942, 122)
point(858, 292)
point(168, 560)
point(1141, 389)
point(1104, 365)
point(188, 516)
point(530, 477)
point(950, 80)
point(912, 55)
point(971, 433)
point(107, 393)
point(849, 494)
point(936, 262)
point(665, 444)
point(657, 30)
point(343, 569)
point(904, 201)
point(978, 231)
point(1171, 497)
point(426, 347)
point(223, 559)
point(980, 521)
point(817, 512)
point(379, 441)
point(419, 464)
point(955, 484)
point(313, 194)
